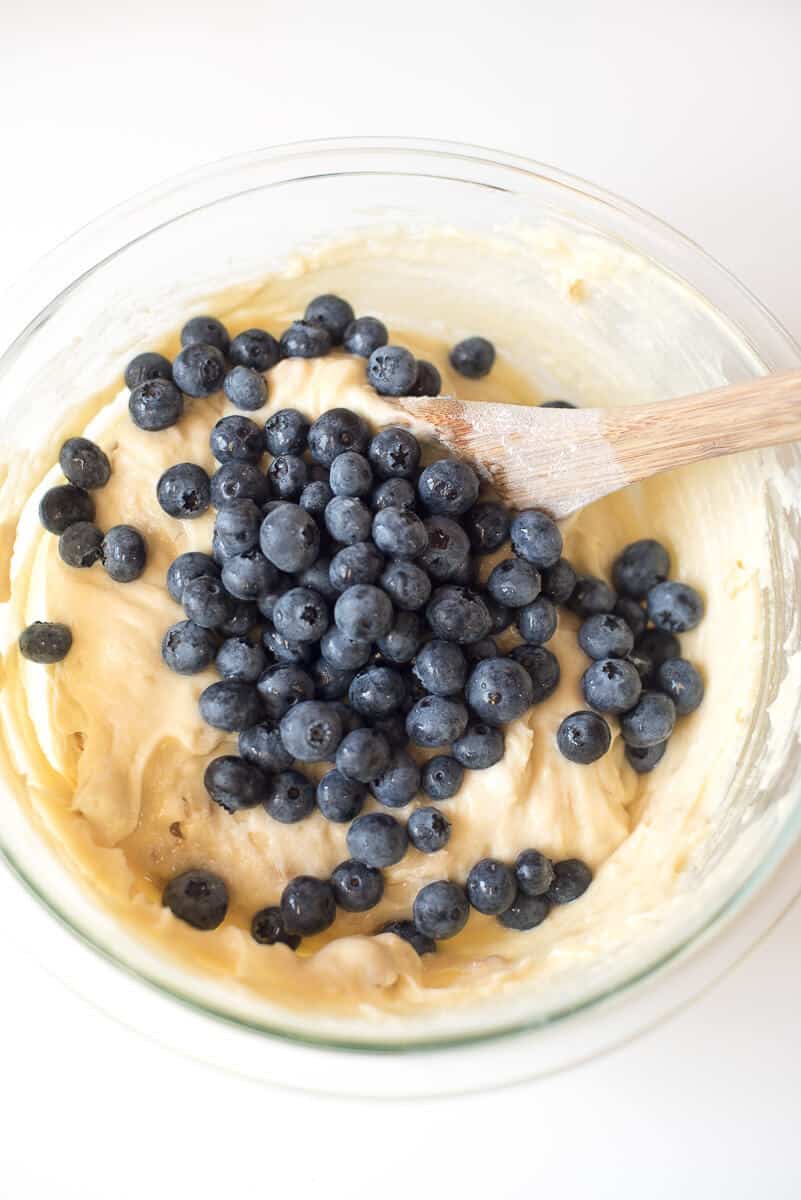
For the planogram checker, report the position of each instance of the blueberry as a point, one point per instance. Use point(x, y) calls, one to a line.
point(189, 566)
point(651, 720)
point(84, 464)
point(206, 602)
point(364, 335)
point(289, 797)
point(514, 582)
point(267, 601)
point(525, 912)
point(436, 721)
point(486, 648)
point(145, 366)
point(363, 755)
point(236, 439)
point(205, 331)
point(590, 596)
point(80, 545)
point(197, 897)
point(285, 432)
point(311, 731)
point(343, 652)
point(155, 404)
point(183, 491)
point(501, 617)
point(283, 685)
point(583, 737)
point(357, 887)
point(499, 690)
point(199, 370)
point(643, 759)
point(398, 783)
point(534, 873)
point(558, 581)
point(65, 505)
point(392, 370)
point(441, 909)
point(537, 622)
point(234, 783)
point(611, 685)
point(458, 615)
point(640, 567)
point(542, 667)
point(394, 453)
point(241, 619)
point(340, 799)
point(329, 682)
point(332, 313)
point(235, 481)
point(448, 487)
point(360, 563)
point(377, 839)
point(479, 747)
point(393, 493)
point(402, 641)
point(632, 613)
point(245, 388)
point(442, 777)
point(429, 830)
point(407, 585)
point(399, 533)
point(45, 642)
point(428, 381)
point(491, 887)
point(123, 553)
point(187, 648)
point(572, 877)
point(237, 527)
point(239, 658)
point(317, 577)
point(487, 526)
point(285, 651)
point(674, 607)
point(363, 612)
point(408, 932)
point(655, 646)
point(605, 636)
point(288, 475)
point(377, 691)
point(348, 520)
point(679, 680)
point(261, 745)
point(351, 474)
point(446, 549)
point(557, 404)
point(301, 615)
point(290, 538)
point(255, 348)
point(308, 905)
point(467, 576)
point(315, 497)
point(536, 538)
point(305, 339)
point(248, 576)
point(267, 928)
point(473, 357)
point(335, 432)
point(231, 705)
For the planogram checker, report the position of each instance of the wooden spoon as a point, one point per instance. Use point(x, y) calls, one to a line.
point(562, 459)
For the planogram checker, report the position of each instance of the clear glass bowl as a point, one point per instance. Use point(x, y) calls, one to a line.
point(119, 284)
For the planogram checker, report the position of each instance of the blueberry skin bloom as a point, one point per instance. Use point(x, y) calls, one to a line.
point(583, 737)
point(491, 887)
point(473, 357)
point(199, 370)
point(499, 690)
point(392, 370)
point(442, 777)
point(231, 705)
point(311, 731)
point(290, 538)
point(187, 648)
point(436, 721)
point(675, 607)
point(680, 680)
point(123, 553)
point(147, 365)
point(377, 839)
point(333, 313)
point(536, 538)
point(441, 910)
point(233, 783)
point(184, 491)
point(448, 487)
point(357, 887)
point(650, 722)
point(155, 404)
point(363, 613)
point(364, 335)
point(45, 642)
point(640, 566)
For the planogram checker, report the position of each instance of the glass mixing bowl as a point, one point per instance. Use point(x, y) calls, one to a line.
point(118, 285)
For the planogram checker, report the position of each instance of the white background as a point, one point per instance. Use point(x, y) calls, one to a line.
point(689, 109)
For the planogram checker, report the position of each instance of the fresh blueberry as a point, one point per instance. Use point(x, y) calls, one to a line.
point(301, 615)
point(377, 691)
point(357, 887)
point(537, 622)
point(398, 783)
point(206, 331)
point(583, 737)
point(441, 909)
point(237, 527)
point(231, 705)
point(436, 721)
point(199, 370)
point(558, 581)
point(499, 690)
point(479, 747)
point(572, 877)
point(655, 646)
point(145, 366)
point(611, 685)
point(674, 607)
point(199, 898)
point(238, 481)
point(285, 432)
point(311, 731)
point(248, 576)
point(343, 652)
point(315, 497)
point(267, 601)
point(80, 545)
point(236, 439)
point(45, 642)
point(643, 759)
point(473, 357)
point(534, 873)
point(590, 596)
point(651, 721)
point(255, 348)
point(288, 475)
point(467, 576)
point(428, 381)
point(285, 651)
point(364, 335)
point(394, 453)
point(84, 464)
point(446, 549)
point(351, 474)
point(501, 617)
point(239, 658)
point(542, 667)
point(448, 487)
point(348, 520)
point(283, 685)
point(486, 648)
point(329, 682)
point(399, 533)
point(340, 799)
point(491, 887)
point(155, 404)
point(429, 830)
point(308, 905)
point(377, 839)
point(640, 567)
point(363, 613)
point(407, 585)
point(65, 505)
point(245, 388)
point(305, 339)
point(442, 777)
point(514, 582)
point(605, 636)
point(243, 616)
point(402, 641)
point(487, 526)
point(334, 432)
point(261, 745)
point(360, 563)
point(188, 648)
point(362, 755)
point(318, 578)
point(392, 370)
point(267, 928)
point(183, 491)
point(290, 538)
point(289, 797)
point(393, 493)
point(632, 613)
point(333, 313)
point(123, 553)
point(557, 404)
point(206, 602)
point(234, 783)
point(408, 932)
point(189, 566)
point(525, 912)
point(536, 538)
point(457, 614)
point(679, 680)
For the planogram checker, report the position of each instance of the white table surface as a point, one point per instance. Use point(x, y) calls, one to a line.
point(690, 110)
